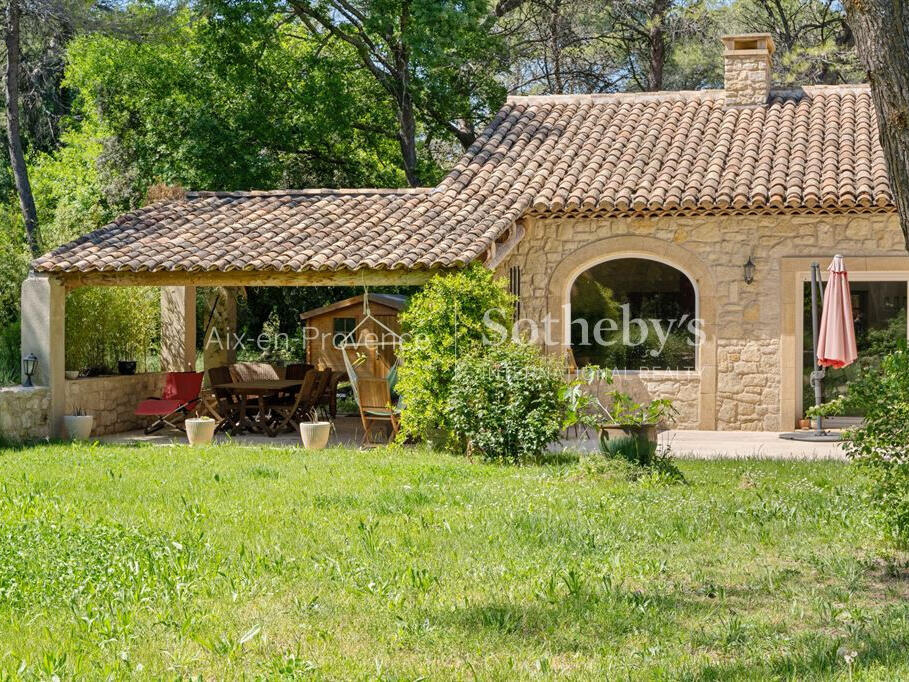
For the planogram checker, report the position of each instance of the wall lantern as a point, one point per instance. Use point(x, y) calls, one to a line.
point(29, 362)
point(749, 271)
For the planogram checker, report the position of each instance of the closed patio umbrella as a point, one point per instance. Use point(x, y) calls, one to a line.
point(833, 335)
point(836, 337)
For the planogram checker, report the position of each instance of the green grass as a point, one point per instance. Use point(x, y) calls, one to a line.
point(232, 562)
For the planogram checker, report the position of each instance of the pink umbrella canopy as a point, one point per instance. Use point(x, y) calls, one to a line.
point(836, 338)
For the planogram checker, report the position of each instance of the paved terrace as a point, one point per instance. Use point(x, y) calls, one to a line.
point(684, 444)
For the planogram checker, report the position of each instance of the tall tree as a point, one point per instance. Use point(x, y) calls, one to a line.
point(813, 41)
point(16, 155)
point(881, 29)
point(434, 59)
point(560, 47)
point(563, 46)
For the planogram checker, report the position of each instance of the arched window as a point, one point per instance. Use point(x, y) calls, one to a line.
point(634, 313)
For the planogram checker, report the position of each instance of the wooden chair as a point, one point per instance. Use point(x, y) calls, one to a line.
point(297, 371)
point(295, 408)
point(227, 404)
point(329, 397)
point(375, 406)
point(253, 371)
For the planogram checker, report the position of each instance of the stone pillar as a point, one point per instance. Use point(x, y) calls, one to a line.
point(178, 329)
point(219, 344)
point(44, 334)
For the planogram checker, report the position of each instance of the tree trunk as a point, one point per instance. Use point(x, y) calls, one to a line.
point(657, 58)
point(16, 157)
point(407, 138)
point(881, 30)
point(657, 44)
point(407, 123)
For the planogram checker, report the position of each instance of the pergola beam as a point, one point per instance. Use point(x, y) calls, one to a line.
point(249, 278)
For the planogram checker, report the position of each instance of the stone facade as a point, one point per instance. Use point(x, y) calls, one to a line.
point(737, 384)
point(112, 399)
point(23, 412)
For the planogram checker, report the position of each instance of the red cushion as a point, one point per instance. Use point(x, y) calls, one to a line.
point(157, 408)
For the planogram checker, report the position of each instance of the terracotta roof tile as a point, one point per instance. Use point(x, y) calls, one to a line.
point(815, 149)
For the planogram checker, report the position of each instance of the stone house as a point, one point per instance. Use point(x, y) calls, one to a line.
point(710, 205)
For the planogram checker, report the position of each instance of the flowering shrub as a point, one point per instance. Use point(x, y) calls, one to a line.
point(508, 403)
point(881, 445)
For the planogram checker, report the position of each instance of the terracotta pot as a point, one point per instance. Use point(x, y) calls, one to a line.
point(804, 423)
point(315, 434)
point(200, 431)
point(78, 427)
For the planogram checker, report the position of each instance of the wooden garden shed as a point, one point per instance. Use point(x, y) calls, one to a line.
point(327, 326)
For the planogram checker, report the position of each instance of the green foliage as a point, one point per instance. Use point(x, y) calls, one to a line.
point(10, 354)
point(208, 103)
point(507, 403)
point(443, 322)
point(108, 324)
point(880, 447)
point(619, 408)
point(14, 260)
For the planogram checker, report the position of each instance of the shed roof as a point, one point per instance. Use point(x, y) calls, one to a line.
point(669, 153)
point(395, 301)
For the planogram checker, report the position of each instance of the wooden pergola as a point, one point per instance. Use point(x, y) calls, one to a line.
point(44, 313)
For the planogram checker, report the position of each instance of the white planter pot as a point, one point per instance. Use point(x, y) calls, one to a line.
point(200, 431)
point(315, 434)
point(78, 427)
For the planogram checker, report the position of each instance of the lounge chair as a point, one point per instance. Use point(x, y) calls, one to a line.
point(374, 400)
point(179, 397)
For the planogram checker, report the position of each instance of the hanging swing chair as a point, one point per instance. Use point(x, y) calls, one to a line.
point(371, 393)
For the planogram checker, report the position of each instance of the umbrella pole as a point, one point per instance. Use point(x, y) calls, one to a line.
point(817, 373)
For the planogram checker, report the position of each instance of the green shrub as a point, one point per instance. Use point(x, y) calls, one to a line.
point(881, 445)
point(443, 322)
point(108, 324)
point(507, 403)
point(10, 363)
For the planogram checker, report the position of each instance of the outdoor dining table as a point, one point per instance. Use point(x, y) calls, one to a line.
point(258, 390)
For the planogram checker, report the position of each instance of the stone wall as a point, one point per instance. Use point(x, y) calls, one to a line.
point(113, 399)
point(680, 387)
point(741, 372)
point(23, 412)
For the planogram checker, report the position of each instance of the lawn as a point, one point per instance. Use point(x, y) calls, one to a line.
point(230, 562)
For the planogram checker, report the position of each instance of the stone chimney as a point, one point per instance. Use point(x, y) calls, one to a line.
point(747, 69)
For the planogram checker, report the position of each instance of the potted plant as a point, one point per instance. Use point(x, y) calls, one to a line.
point(200, 430)
point(77, 424)
point(621, 422)
point(127, 367)
point(315, 432)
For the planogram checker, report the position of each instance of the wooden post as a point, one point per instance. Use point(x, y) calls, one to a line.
point(178, 329)
point(219, 345)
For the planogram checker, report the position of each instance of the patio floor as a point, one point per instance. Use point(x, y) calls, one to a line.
point(684, 444)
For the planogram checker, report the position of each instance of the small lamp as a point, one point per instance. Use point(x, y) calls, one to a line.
point(29, 362)
point(749, 271)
